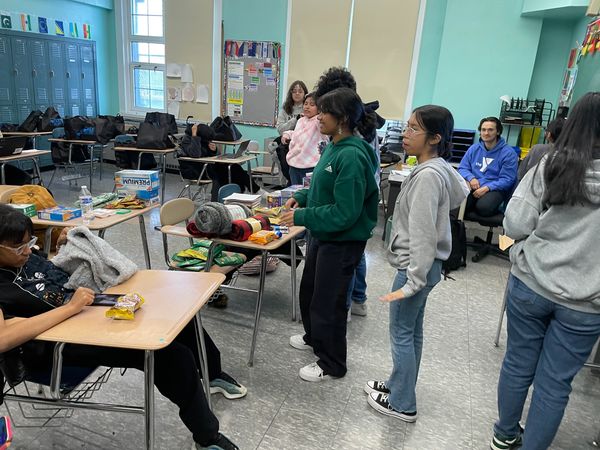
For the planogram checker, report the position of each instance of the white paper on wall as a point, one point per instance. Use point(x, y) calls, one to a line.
point(187, 75)
point(173, 108)
point(187, 92)
point(174, 70)
point(174, 94)
point(202, 93)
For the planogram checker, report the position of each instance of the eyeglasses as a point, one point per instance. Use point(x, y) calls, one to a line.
point(410, 131)
point(21, 248)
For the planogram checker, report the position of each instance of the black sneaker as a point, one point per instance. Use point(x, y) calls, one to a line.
point(500, 442)
point(226, 385)
point(221, 443)
point(380, 403)
point(376, 386)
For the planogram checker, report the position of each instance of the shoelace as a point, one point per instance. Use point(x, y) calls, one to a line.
point(379, 385)
point(384, 399)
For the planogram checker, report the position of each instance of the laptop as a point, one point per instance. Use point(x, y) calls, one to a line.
point(238, 154)
point(12, 145)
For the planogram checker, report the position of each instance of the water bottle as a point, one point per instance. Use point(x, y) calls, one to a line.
point(85, 202)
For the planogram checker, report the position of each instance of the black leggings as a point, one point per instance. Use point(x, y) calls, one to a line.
point(487, 205)
point(176, 374)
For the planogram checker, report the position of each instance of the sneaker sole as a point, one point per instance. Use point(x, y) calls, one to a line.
point(369, 390)
point(226, 394)
point(387, 412)
point(300, 346)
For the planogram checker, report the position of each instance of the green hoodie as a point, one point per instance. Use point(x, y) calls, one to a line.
point(342, 202)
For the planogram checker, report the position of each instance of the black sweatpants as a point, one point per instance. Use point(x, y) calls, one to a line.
point(328, 269)
point(487, 205)
point(176, 374)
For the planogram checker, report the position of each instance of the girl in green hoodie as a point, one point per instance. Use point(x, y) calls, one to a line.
point(340, 210)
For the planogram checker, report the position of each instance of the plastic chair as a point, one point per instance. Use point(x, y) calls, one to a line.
point(200, 184)
point(226, 190)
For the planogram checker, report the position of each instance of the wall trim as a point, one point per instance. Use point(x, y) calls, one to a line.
point(106, 4)
point(408, 106)
point(217, 55)
point(349, 40)
point(286, 53)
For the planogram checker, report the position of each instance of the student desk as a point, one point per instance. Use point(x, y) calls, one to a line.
point(229, 161)
point(90, 147)
point(225, 144)
point(25, 154)
point(172, 299)
point(32, 134)
point(101, 225)
point(265, 250)
point(153, 151)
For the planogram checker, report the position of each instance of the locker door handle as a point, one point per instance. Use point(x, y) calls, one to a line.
point(52, 74)
point(68, 74)
point(16, 71)
point(34, 73)
point(82, 75)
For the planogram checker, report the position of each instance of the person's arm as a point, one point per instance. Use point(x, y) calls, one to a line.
point(301, 197)
point(464, 167)
point(284, 122)
point(508, 174)
point(14, 332)
point(286, 136)
point(524, 208)
point(349, 195)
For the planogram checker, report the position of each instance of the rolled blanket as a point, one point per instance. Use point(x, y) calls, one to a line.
point(242, 229)
point(215, 218)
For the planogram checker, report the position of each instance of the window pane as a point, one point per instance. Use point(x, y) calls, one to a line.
point(139, 52)
point(142, 98)
point(157, 99)
point(148, 87)
point(155, 7)
point(155, 26)
point(157, 80)
point(139, 6)
point(139, 25)
point(157, 53)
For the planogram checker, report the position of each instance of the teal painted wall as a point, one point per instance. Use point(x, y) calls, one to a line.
point(257, 20)
point(487, 50)
point(551, 60)
point(431, 41)
point(102, 22)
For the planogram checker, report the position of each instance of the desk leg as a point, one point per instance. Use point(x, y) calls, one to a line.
point(293, 272)
point(48, 240)
point(249, 168)
point(202, 358)
point(36, 169)
point(2, 175)
point(228, 172)
point(149, 397)
point(91, 151)
point(164, 177)
point(34, 141)
point(261, 289)
point(501, 319)
point(101, 159)
point(144, 241)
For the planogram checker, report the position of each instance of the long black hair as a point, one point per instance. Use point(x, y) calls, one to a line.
point(573, 154)
point(288, 104)
point(437, 120)
point(14, 225)
point(345, 105)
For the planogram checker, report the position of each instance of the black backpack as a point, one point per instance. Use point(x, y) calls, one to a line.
point(153, 136)
point(162, 120)
point(47, 120)
point(30, 124)
point(80, 127)
point(458, 254)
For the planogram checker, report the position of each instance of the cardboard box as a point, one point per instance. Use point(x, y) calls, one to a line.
point(145, 184)
point(274, 199)
point(26, 208)
point(59, 213)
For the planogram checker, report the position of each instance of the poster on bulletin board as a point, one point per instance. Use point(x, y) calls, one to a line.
point(251, 82)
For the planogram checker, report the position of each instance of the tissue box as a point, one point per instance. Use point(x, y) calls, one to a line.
point(274, 199)
point(28, 209)
point(59, 213)
point(145, 184)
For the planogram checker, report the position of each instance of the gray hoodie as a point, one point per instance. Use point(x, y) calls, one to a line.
point(421, 221)
point(556, 249)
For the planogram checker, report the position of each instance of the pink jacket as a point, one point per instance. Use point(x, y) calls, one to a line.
point(304, 143)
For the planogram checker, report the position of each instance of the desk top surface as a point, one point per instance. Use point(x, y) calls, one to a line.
point(24, 155)
point(172, 298)
point(145, 150)
point(97, 223)
point(239, 141)
point(26, 133)
point(217, 160)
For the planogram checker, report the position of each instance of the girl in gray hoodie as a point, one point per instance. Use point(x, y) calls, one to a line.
point(553, 292)
point(420, 241)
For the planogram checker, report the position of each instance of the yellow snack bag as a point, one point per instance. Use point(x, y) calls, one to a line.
point(263, 237)
point(125, 307)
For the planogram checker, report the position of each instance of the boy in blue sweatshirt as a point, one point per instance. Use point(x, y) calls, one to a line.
point(490, 168)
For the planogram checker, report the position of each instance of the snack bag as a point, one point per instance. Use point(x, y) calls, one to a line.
point(263, 237)
point(125, 307)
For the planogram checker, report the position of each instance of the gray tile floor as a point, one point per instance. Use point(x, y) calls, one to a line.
point(456, 390)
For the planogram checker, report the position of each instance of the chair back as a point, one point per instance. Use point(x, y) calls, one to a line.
point(252, 146)
point(228, 189)
point(176, 211)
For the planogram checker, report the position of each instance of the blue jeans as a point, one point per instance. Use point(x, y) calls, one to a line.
point(406, 337)
point(547, 345)
point(296, 174)
point(357, 290)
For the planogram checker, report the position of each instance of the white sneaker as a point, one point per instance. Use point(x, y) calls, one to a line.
point(359, 309)
point(349, 318)
point(313, 372)
point(297, 341)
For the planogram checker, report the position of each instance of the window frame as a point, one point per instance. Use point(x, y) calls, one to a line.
point(126, 67)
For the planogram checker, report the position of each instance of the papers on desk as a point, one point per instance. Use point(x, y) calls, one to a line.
point(399, 175)
point(249, 200)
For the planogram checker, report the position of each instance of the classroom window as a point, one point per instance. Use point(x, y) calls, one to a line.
point(144, 49)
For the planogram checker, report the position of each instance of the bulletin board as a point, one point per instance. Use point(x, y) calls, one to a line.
point(251, 82)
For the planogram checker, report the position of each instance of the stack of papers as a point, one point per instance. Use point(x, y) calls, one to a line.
point(249, 200)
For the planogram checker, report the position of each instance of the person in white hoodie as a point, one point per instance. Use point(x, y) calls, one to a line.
point(553, 292)
point(420, 241)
